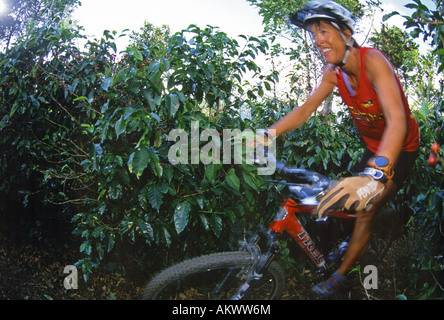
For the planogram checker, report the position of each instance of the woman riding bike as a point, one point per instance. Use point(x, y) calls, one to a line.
point(369, 86)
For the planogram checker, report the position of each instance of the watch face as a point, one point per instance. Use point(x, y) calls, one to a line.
point(381, 161)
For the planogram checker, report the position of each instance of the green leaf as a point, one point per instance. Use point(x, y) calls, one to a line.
point(168, 173)
point(440, 51)
point(173, 103)
point(389, 15)
point(425, 109)
point(63, 195)
point(155, 196)
point(211, 171)
point(310, 161)
point(138, 161)
point(167, 237)
point(145, 228)
point(120, 126)
point(80, 98)
point(149, 97)
point(216, 224)
point(111, 241)
point(102, 193)
point(85, 247)
point(204, 221)
point(13, 109)
point(124, 177)
point(232, 180)
point(155, 77)
point(155, 163)
point(105, 84)
point(137, 54)
point(128, 112)
point(115, 191)
point(251, 179)
point(181, 215)
point(411, 6)
point(155, 116)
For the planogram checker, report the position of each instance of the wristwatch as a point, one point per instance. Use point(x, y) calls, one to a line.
point(379, 168)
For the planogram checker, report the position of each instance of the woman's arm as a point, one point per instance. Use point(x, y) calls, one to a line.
point(382, 76)
point(298, 116)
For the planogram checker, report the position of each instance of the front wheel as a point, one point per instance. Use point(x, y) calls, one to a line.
point(216, 276)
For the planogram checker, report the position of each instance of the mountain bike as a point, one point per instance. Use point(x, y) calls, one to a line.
point(253, 272)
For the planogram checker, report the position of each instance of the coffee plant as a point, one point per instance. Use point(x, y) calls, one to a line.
point(87, 131)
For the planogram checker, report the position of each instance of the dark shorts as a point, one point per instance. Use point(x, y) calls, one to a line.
point(402, 169)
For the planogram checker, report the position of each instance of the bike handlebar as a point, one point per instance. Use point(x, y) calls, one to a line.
point(303, 183)
point(296, 175)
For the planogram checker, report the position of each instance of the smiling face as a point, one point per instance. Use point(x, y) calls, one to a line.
point(329, 41)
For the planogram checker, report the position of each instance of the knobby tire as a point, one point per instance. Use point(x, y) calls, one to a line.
point(199, 268)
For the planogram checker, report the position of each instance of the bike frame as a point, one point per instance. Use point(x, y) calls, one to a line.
point(286, 220)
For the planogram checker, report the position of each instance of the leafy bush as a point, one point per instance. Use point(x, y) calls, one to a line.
point(90, 132)
point(422, 203)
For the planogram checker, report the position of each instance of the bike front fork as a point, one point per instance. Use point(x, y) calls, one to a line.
point(270, 244)
point(261, 260)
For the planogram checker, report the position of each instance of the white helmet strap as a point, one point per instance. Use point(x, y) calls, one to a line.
point(348, 45)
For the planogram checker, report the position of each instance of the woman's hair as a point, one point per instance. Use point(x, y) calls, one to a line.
point(339, 27)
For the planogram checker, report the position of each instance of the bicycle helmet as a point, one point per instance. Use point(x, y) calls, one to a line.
point(331, 11)
point(328, 10)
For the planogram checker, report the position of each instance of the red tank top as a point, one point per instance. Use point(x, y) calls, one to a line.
point(365, 109)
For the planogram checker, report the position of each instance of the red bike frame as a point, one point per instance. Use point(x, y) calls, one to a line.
point(286, 220)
